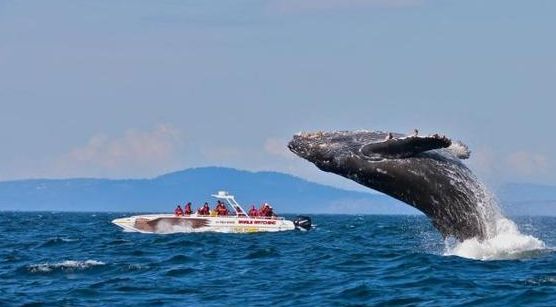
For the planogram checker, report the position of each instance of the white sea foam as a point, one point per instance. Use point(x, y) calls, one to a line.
point(64, 265)
point(503, 238)
point(507, 242)
point(62, 239)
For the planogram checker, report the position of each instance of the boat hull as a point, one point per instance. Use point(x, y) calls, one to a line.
point(168, 223)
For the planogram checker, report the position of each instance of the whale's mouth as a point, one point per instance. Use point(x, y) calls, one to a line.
point(311, 145)
point(320, 145)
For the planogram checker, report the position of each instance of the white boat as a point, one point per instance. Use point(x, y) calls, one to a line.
point(240, 222)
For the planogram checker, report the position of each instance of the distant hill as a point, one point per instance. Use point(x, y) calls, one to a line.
point(287, 193)
point(528, 199)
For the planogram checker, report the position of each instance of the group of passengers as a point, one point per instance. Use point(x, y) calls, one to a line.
point(264, 211)
point(186, 211)
point(221, 210)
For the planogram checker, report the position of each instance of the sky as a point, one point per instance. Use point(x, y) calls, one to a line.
point(134, 89)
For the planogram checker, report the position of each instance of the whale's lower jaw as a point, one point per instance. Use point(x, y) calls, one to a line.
point(437, 184)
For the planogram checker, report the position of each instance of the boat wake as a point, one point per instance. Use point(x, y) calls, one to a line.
point(505, 243)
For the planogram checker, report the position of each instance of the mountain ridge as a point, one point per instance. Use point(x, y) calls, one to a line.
point(288, 194)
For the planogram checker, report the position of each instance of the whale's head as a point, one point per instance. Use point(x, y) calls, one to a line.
point(330, 150)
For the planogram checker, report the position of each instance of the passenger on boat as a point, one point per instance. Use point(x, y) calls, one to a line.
point(205, 210)
point(221, 209)
point(187, 210)
point(263, 210)
point(269, 212)
point(253, 211)
point(178, 211)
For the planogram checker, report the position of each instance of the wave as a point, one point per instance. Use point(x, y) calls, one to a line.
point(64, 265)
point(506, 243)
point(57, 240)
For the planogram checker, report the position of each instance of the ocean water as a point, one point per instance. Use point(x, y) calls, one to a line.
point(82, 259)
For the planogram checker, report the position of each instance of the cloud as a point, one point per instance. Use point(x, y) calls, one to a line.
point(133, 153)
point(222, 153)
point(485, 161)
point(278, 147)
point(499, 167)
point(272, 153)
point(311, 5)
point(527, 163)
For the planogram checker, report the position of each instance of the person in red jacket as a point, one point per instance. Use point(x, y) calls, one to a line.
point(205, 210)
point(187, 210)
point(178, 211)
point(253, 211)
point(270, 212)
point(263, 210)
point(221, 209)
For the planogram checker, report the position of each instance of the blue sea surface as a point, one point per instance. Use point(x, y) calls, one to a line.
point(83, 259)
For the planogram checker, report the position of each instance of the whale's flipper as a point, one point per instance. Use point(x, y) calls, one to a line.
point(400, 148)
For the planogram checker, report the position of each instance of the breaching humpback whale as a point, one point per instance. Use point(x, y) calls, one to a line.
point(424, 172)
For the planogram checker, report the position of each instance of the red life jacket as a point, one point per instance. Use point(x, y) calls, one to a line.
point(222, 210)
point(263, 211)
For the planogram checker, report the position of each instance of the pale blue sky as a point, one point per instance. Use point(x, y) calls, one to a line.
point(138, 88)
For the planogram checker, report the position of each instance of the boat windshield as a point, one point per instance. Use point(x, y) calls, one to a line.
point(234, 208)
point(231, 204)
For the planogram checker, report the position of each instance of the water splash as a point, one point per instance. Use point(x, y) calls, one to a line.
point(503, 239)
point(506, 243)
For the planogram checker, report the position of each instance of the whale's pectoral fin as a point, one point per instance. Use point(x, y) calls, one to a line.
point(405, 147)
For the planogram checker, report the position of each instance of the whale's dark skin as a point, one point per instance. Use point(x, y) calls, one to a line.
point(424, 172)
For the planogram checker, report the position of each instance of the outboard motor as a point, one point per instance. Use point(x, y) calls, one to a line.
point(302, 222)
